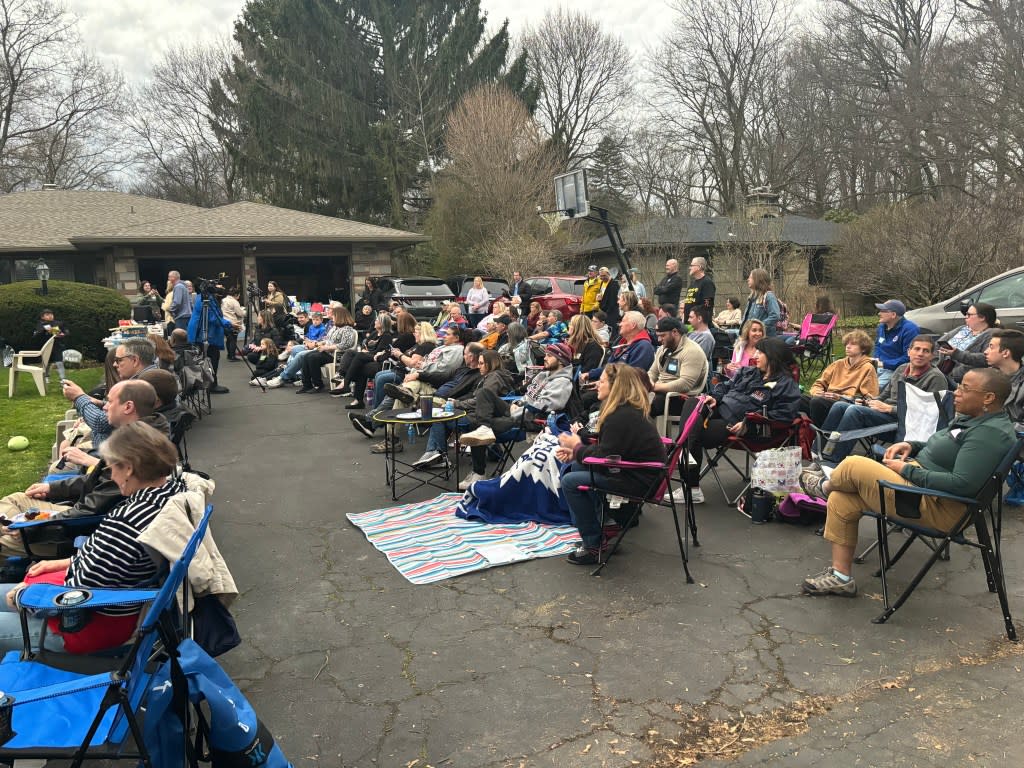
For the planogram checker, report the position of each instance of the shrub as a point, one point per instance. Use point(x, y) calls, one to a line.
point(89, 311)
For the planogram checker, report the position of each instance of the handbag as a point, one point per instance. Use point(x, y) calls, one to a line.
point(777, 470)
point(213, 626)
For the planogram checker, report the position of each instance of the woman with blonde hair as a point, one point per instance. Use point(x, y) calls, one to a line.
point(761, 303)
point(744, 350)
point(587, 350)
point(623, 429)
point(478, 302)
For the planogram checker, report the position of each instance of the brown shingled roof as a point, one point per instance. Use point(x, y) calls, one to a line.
point(251, 222)
point(53, 220)
point(47, 220)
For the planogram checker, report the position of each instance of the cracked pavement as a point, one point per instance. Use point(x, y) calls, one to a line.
point(540, 664)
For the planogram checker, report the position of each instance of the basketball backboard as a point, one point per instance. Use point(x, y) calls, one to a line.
point(571, 194)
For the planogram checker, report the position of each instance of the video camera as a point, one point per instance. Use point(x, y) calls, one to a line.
point(212, 286)
point(254, 290)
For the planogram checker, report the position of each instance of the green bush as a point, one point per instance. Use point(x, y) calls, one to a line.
point(866, 322)
point(89, 311)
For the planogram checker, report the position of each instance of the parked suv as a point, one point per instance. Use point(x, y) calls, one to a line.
point(460, 285)
point(423, 297)
point(1005, 292)
point(561, 292)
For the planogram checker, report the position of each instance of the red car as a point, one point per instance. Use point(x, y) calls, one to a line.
point(561, 292)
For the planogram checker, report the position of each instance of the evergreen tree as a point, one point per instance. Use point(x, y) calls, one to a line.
point(608, 179)
point(339, 106)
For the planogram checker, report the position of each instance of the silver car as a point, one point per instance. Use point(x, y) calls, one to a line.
point(1005, 292)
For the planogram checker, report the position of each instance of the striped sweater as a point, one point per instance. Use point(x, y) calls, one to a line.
point(113, 557)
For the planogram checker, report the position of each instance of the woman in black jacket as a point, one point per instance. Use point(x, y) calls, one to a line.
point(263, 361)
point(766, 387)
point(366, 363)
point(623, 429)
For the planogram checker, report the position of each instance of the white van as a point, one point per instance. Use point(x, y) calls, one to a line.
point(1005, 292)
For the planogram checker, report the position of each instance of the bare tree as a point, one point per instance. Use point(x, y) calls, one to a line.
point(500, 171)
point(663, 175)
point(924, 250)
point(716, 80)
point(585, 76)
point(58, 105)
point(183, 158)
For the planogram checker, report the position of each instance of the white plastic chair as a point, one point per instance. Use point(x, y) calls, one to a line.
point(37, 371)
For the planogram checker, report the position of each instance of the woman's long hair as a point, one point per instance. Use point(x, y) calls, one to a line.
point(762, 284)
point(342, 316)
point(267, 318)
point(744, 338)
point(269, 346)
point(779, 356)
point(581, 330)
point(625, 387)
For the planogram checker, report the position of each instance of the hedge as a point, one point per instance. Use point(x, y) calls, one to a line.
point(89, 311)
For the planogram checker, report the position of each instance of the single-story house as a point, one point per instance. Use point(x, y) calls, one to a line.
point(118, 240)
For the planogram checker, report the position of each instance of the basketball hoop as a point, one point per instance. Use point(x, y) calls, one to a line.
point(553, 219)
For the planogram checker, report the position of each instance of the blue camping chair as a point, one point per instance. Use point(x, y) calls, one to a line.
point(52, 713)
point(979, 513)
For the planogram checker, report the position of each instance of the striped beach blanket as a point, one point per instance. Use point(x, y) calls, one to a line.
point(427, 542)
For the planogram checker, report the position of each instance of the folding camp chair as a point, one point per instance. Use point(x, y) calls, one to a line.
point(986, 507)
point(54, 538)
point(659, 493)
point(919, 415)
point(52, 713)
point(814, 345)
point(763, 434)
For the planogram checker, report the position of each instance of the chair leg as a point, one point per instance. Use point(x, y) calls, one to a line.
point(997, 575)
point(602, 558)
point(12, 381)
point(680, 535)
point(918, 577)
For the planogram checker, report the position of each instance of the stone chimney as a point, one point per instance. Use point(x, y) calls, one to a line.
point(763, 203)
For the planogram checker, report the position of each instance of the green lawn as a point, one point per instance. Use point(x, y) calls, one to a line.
point(34, 417)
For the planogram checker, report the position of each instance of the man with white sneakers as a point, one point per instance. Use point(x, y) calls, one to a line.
point(548, 392)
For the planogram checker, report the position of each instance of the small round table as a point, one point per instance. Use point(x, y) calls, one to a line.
point(395, 469)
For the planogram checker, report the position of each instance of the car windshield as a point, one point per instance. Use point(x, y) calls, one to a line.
point(423, 287)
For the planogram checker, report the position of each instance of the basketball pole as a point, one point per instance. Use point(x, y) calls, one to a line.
point(611, 230)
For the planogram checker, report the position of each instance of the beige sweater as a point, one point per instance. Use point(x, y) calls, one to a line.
point(841, 378)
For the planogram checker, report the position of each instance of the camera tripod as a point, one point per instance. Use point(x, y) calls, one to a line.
point(209, 307)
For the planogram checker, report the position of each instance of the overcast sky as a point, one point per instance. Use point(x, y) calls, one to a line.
point(133, 33)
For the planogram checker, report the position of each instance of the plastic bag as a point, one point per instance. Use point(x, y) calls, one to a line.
point(777, 470)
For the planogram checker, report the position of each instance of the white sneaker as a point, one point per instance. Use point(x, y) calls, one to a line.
point(297, 383)
point(482, 435)
point(428, 458)
point(259, 381)
point(677, 494)
point(471, 478)
point(274, 383)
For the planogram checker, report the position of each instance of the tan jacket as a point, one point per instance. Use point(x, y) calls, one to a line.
point(170, 531)
point(842, 379)
point(691, 366)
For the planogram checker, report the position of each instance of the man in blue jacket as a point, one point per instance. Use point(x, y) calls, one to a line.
point(895, 335)
point(634, 347)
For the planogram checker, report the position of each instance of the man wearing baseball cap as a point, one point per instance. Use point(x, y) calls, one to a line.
point(680, 365)
point(895, 334)
point(591, 287)
point(548, 392)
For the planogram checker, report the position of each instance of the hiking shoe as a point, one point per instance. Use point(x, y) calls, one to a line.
point(382, 447)
point(482, 435)
point(471, 478)
point(584, 556)
point(361, 423)
point(827, 583)
point(427, 459)
point(812, 481)
point(401, 394)
point(275, 382)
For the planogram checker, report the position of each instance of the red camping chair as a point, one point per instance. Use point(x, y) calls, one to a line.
point(658, 494)
point(814, 345)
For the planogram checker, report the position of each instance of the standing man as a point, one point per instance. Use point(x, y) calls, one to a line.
point(591, 288)
point(521, 289)
point(608, 296)
point(701, 292)
point(895, 335)
point(671, 285)
point(234, 314)
point(180, 309)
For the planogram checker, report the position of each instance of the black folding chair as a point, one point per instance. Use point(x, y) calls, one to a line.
point(979, 512)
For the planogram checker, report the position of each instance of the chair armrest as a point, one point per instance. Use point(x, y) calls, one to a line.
point(600, 461)
point(80, 521)
point(916, 491)
point(71, 687)
point(43, 597)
